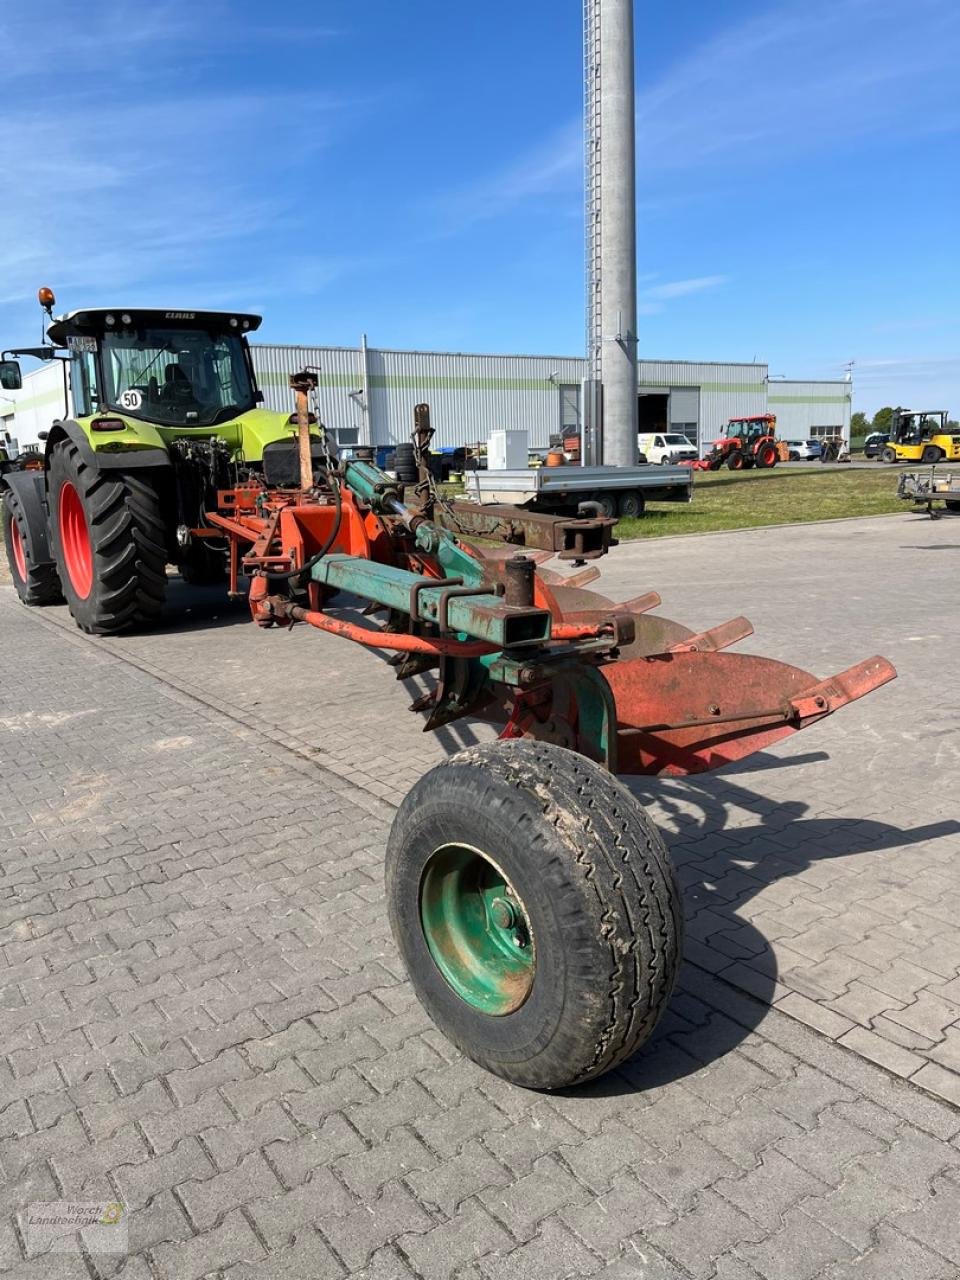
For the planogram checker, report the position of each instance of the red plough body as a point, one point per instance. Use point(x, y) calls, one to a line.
point(615, 681)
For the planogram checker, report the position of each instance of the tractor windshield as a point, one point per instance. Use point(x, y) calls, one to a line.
point(176, 377)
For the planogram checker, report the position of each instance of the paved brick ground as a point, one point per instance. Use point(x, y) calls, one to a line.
point(201, 1011)
point(823, 876)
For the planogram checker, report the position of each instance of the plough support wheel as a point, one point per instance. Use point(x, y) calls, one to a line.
point(534, 904)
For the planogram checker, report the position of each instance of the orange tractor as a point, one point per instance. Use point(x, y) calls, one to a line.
point(749, 442)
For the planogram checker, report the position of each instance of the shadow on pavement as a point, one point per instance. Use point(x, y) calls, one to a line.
point(190, 608)
point(736, 863)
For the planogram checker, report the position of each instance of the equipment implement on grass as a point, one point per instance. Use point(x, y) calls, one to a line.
point(924, 488)
point(530, 895)
point(748, 442)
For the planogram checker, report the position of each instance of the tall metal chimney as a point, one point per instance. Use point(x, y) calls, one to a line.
point(611, 220)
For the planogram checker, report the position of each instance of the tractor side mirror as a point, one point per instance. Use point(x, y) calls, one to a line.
point(10, 377)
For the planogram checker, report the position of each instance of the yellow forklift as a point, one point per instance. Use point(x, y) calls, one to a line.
point(921, 435)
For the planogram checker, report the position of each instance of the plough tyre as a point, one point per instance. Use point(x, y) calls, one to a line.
point(535, 907)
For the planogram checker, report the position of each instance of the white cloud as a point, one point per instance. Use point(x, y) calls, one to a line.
point(128, 173)
point(803, 77)
point(681, 288)
point(926, 380)
point(552, 168)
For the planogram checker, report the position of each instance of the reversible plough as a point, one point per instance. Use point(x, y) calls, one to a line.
point(530, 895)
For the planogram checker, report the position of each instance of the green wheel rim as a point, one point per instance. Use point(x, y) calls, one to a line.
point(477, 929)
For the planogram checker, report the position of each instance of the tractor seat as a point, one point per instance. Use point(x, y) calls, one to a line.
point(177, 386)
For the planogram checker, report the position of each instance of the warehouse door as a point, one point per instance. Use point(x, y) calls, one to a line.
point(652, 412)
point(685, 412)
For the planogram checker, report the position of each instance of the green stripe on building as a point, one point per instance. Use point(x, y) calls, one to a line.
point(735, 388)
point(412, 381)
point(808, 399)
point(466, 382)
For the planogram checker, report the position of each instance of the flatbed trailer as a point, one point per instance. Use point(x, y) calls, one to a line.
point(924, 488)
point(617, 491)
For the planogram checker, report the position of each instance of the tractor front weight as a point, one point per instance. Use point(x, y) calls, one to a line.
point(529, 893)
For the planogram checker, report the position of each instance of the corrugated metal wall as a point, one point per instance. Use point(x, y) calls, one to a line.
point(472, 395)
point(684, 407)
point(726, 390)
point(802, 406)
point(469, 395)
point(340, 375)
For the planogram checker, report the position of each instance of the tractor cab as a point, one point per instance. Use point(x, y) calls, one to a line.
point(921, 435)
point(160, 414)
point(171, 368)
point(750, 429)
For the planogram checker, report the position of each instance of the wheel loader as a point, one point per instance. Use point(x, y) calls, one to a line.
point(530, 895)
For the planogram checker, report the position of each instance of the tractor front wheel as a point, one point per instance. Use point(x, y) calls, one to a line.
point(736, 460)
point(36, 584)
point(534, 904)
point(108, 541)
point(889, 455)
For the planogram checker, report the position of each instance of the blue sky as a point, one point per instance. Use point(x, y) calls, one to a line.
point(413, 170)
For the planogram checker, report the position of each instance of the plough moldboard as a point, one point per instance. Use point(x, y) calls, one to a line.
point(531, 896)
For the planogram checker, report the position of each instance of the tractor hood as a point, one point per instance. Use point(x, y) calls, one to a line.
point(247, 435)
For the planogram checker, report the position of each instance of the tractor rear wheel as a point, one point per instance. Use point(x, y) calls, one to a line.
point(931, 454)
point(534, 904)
point(35, 584)
point(109, 543)
point(766, 455)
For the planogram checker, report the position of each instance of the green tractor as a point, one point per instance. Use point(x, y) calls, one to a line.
point(161, 410)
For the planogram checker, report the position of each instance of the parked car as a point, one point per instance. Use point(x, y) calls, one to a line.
point(666, 447)
point(873, 445)
point(804, 450)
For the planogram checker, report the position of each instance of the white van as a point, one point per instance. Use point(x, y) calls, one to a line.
point(666, 447)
